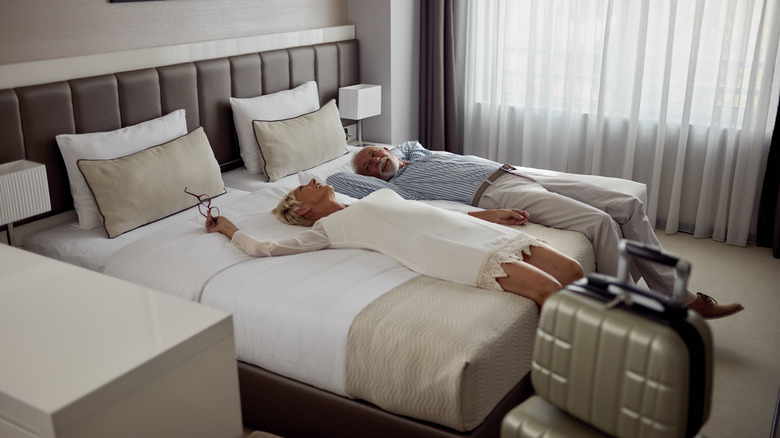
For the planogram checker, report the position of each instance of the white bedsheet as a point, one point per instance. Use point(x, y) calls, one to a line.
point(181, 258)
point(291, 314)
point(91, 249)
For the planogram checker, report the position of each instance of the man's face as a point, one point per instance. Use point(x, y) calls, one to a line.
point(377, 162)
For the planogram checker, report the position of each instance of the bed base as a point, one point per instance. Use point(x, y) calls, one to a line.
point(289, 408)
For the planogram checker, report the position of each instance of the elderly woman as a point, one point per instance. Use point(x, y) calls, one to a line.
point(465, 248)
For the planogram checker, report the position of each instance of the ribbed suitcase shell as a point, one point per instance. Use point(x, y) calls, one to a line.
point(616, 359)
point(623, 370)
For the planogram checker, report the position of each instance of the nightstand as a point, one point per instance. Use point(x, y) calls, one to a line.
point(87, 355)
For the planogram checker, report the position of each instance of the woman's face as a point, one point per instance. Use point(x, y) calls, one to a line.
point(315, 194)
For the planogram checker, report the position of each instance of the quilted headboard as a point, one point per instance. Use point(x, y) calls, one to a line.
point(31, 116)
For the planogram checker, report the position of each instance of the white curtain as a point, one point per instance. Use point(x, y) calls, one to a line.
point(679, 95)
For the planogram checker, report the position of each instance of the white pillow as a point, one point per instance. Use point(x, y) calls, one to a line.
point(107, 145)
point(322, 172)
point(289, 146)
point(285, 104)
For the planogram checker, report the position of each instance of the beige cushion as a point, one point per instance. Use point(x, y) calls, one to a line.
point(281, 105)
point(146, 186)
point(289, 146)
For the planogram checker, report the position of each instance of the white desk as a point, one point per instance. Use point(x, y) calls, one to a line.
point(86, 355)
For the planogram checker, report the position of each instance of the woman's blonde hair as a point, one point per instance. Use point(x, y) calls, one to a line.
point(286, 211)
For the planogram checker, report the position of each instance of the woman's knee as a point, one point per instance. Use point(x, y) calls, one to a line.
point(573, 271)
point(545, 289)
point(564, 268)
point(534, 284)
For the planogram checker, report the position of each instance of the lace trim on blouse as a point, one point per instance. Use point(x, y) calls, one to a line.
point(511, 251)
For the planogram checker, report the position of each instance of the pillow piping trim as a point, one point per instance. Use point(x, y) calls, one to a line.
point(103, 217)
point(257, 142)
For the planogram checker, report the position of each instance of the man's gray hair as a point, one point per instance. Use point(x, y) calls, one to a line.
point(355, 158)
point(354, 161)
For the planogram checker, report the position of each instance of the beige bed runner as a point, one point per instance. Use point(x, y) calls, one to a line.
point(440, 351)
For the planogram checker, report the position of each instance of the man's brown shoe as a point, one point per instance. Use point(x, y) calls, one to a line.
point(707, 307)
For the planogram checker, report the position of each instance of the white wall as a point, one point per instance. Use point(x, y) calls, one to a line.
point(389, 36)
point(46, 29)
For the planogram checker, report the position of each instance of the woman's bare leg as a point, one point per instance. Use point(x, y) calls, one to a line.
point(562, 267)
point(540, 275)
point(528, 281)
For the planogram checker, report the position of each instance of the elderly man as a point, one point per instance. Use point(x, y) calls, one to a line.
point(416, 173)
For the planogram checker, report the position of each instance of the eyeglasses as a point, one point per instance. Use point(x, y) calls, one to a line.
point(204, 201)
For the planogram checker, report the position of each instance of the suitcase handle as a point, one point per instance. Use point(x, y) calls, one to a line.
point(682, 268)
point(619, 293)
point(623, 290)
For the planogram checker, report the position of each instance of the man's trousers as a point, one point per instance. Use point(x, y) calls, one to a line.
point(568, 204)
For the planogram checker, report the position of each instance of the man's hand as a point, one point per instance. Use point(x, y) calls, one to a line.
point(220, 225)
point(504, 216)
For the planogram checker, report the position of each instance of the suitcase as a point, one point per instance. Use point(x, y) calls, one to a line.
point(615, 359)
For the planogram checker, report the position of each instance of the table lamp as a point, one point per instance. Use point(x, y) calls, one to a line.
point(24, 192)
point(358, 102)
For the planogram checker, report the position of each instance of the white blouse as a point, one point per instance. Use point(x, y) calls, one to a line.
point(428, 240)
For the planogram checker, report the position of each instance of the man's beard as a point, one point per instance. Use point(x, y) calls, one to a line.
point(392, 167)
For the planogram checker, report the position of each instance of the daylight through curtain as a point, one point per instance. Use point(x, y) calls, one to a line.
point(680, 95)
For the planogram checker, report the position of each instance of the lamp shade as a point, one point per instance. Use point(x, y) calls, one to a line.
point(357, 102)
point(24, 191)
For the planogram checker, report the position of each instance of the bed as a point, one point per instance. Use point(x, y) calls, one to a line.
point(331, 343)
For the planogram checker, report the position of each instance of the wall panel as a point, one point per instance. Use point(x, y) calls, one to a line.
point(38, 30)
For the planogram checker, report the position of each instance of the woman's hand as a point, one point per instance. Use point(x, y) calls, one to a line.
point(503, 216)
point(220, 225)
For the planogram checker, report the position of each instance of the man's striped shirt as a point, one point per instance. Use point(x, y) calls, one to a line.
point(428, 176)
